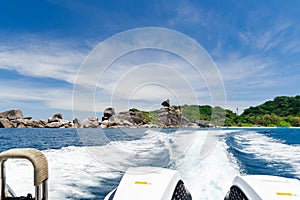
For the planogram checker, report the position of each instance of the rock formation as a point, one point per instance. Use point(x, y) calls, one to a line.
point(55, 118)
point(5, 123)
point(166, 117)
point(77, 123)
point(108, 112)
point(57, 121)
point(28, 123)
point(90, 122)
point(171, 116)
point(204, 123)
point(166, 103)
point(12, 114)
point(15, 119)
point(109, 119)
point(132, 117)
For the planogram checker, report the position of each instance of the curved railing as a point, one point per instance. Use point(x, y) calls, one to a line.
point(40, 166)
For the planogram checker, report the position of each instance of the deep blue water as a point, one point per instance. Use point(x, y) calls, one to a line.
point(266, 151)
point(105, 154)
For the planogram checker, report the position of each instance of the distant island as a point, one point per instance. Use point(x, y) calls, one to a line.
point(282, 111)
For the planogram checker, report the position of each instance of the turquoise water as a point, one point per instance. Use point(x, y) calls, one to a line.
point(88, 163)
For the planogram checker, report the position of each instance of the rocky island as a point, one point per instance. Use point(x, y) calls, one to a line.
point(166, 117)
point(282, 111)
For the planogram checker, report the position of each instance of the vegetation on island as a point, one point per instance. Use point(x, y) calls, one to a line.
point(281, 111)
point(216, 115)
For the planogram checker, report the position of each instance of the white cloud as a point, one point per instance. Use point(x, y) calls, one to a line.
point(190, 13)
point(267, 38)
point(58, 61)
point(47, 60)
point(154, 82)
point(238, 68)
point(147, 59)
point(35, 60)
point(151, 83)
point(147, 77)
point(18, 90)
point(292, 47)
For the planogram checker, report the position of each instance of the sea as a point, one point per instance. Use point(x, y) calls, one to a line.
point(86, 164)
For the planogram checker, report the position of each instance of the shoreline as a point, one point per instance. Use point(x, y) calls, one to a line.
point(193, 128)
point(166, 117)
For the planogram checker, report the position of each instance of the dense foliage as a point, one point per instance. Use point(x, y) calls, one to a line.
point(282, 111)
point(216, 115)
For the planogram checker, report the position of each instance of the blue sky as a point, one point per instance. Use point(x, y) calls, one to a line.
point(255, 45)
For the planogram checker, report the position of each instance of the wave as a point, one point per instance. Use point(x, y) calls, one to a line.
point(91, 172)
point(207, 177)
point(268, 155)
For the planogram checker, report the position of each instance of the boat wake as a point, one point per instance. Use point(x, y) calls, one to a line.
point(262, 152)
point(92, 172)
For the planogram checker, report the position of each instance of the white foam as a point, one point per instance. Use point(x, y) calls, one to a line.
point(74, 170)
point(207, 177)
point(270, 149)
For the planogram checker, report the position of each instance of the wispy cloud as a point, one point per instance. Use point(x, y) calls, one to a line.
point(145, 78)
point(187, 13)
point(48, 60)
point(291, 47)
point(38, 64)
point(15, 89)
point(238, 68)
point(253, 48)
point(149, 65)
point(265, 40)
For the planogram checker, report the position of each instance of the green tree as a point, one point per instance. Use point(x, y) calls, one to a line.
point(295, 121)
point(278, 112)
